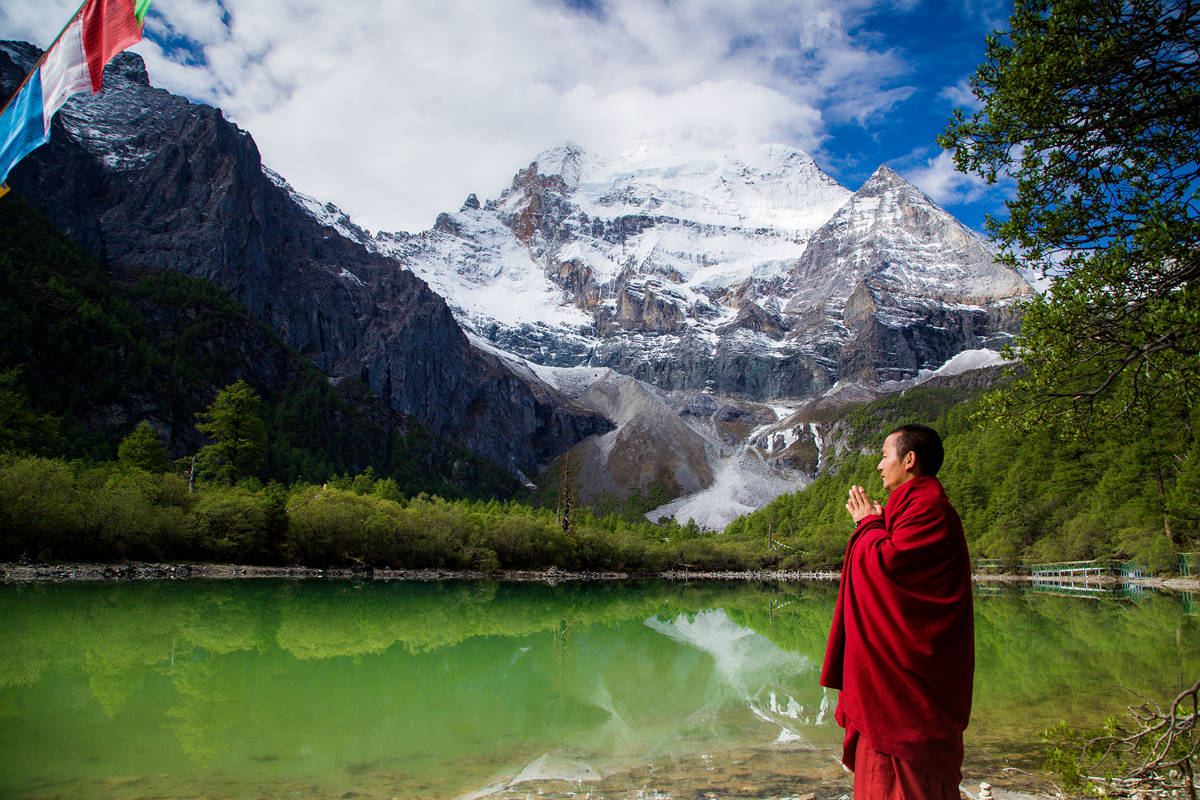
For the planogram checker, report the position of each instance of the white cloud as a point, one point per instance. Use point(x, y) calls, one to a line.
point(938, 179)
point(960, 95)
point(37, 22)
point(396, 111)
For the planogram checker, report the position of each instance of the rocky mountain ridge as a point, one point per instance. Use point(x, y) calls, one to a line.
point(147, 180)
point(718, 457)
point(745, 274)
point(663, 315)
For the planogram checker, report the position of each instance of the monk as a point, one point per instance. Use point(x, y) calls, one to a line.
point(901, 649)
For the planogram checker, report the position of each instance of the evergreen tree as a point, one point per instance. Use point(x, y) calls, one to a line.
point(240, 437)
point(22, 429)
point(142, 449)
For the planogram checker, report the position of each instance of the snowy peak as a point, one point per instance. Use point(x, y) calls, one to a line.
point(561, 162)
point(773, 186)
point(881, 180)
point(891, 239)
point(746, 272)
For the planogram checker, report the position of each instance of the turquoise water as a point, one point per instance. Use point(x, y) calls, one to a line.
point(336, 689)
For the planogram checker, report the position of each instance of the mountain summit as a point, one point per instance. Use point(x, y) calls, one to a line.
point(747, 274)
point(631, 309)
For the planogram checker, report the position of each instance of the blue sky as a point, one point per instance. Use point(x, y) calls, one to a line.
point(396, 111)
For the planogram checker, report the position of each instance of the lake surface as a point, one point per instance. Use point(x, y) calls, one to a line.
point(503, 690)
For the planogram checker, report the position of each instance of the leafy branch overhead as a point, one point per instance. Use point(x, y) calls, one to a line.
point(1092, 107)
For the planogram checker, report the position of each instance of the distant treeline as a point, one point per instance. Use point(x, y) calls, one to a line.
point(1023, 497)
point(54, 510)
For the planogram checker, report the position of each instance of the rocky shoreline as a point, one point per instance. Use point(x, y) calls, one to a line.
point(140, 571)
point(144, 571)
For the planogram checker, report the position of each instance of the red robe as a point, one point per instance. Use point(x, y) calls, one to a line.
point(901, 649)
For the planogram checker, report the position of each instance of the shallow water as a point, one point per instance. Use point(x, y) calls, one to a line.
point(430, 690)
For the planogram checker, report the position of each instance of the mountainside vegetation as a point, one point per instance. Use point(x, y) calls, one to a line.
point(1023, 496)
point(88, 354)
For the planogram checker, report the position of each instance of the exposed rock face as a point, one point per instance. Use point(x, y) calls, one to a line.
point(147, 180)
point(752, 275)
point(912, 286)
point(651, 447)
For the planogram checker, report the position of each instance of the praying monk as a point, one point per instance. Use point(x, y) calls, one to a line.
point(901, 649)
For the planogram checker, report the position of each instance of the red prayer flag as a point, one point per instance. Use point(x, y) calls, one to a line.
point(109, 26)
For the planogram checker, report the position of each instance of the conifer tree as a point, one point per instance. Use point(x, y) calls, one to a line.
point(239, 434)
point(567, 499)
point(22, 429)
point(141, 449)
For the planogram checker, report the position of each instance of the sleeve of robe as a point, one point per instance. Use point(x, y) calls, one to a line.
point(901, 648)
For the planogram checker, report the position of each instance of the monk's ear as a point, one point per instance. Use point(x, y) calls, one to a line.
point(910, 461)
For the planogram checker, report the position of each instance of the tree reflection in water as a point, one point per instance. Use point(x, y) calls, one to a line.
point(448, 689)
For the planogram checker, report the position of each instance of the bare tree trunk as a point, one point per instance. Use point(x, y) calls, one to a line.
point(1163, 497)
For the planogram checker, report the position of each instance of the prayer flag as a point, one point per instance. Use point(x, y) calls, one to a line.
point(73, 63)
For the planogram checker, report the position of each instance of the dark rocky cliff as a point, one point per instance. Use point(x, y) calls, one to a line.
point(147, 180)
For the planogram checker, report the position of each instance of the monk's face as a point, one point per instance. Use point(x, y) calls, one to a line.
point(893, 469)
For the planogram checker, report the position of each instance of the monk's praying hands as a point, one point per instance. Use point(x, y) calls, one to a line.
point(859, 505)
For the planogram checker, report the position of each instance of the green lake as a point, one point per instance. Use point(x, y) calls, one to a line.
point(232, 689)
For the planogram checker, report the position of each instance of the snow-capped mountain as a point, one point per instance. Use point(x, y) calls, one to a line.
point(748, 274)
point(634, 310)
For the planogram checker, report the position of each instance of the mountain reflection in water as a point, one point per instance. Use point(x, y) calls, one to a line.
point(416, 690)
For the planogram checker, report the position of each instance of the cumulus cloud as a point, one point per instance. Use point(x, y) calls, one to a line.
point(36, 22)
point(937, 177)
point(960, 95)
point(396, 111)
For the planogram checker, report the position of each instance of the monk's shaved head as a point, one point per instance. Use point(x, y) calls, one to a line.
point(922, 441)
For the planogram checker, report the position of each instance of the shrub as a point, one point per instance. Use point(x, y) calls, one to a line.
point(40, 514)
point(230, 524)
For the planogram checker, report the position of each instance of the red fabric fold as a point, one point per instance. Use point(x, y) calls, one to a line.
point(109, 26)
point(883, 777)
point(901, 648)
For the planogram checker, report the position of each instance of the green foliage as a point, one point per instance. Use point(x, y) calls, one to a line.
point(1064, 745)
point(1146, 740)
point(41, 510)
point(78, 344)
point(52, 511)
point(85, 353)
point(23, 430)
point(1023, 496)
point(231, 525)
point(240, 437)
point(1093, 108)
point(142, 449)
point(867, 424)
